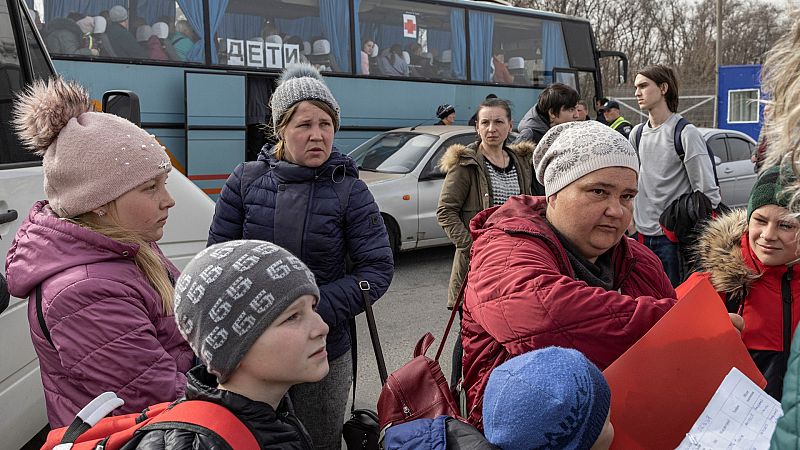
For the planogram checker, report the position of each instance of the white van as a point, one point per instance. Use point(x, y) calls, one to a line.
point(22, 60)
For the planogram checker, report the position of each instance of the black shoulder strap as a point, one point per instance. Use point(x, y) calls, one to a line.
point(40, 316)
point(376, 342)
point(637, 135)
point(786, 294)
point(677, 137)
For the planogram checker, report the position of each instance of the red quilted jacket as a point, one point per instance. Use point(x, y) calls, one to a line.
point(522, 295)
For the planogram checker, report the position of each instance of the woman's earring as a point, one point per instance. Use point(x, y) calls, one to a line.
point(101, 213)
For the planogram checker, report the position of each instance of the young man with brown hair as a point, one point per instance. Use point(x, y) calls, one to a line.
point(664, 174)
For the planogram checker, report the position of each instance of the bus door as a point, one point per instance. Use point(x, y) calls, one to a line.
point(215, 127)
point(258, 114)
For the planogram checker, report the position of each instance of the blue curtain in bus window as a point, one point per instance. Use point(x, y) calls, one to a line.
point(62, 8)
point(305, 27)
point(151, 10)
point(389, 35)
point(240, 26)
point(193, 10)
point(555, 52)
point(357, 33)
point(216, 11)
point(481, 31)
point(335, 16)
point(438, 40)
point(458, 43)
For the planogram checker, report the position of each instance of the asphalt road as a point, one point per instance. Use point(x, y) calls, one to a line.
point(416, 302)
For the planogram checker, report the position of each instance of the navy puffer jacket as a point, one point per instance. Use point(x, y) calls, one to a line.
point(299, 209)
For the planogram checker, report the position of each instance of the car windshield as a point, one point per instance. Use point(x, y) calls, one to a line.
point(393, 152)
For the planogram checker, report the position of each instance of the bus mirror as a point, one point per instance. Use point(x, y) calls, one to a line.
point(622, 63)
point(124, 104)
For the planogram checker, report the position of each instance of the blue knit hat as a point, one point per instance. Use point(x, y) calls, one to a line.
point(548, 398)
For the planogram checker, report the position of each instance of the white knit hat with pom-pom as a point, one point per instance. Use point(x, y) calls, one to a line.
point(89, 158)
point(297, 83)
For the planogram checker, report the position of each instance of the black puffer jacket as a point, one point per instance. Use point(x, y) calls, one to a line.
point(278, 431)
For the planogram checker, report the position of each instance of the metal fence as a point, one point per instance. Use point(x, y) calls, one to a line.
point(696, 104)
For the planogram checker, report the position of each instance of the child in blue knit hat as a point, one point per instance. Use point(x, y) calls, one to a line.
point(552, 398)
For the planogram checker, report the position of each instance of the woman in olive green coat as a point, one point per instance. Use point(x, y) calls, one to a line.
point(479, 176)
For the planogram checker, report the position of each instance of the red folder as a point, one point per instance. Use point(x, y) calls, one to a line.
point(662, 383)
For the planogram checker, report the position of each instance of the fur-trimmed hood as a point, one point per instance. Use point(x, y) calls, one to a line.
point(462, 153)
point(719, 252)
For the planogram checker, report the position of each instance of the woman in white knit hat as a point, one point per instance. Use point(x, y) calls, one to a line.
point(558, 270)
point(305, 196)
point(100, 290)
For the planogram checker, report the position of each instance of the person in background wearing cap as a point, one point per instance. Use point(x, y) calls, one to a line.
point(88, 255)
point(664, 176)
point(305, 196)
point(615, 119)
point(558, 270)
point(253, 346)
point(446, 114)
point(531, 397)
point(123, 42)
point(750, 256)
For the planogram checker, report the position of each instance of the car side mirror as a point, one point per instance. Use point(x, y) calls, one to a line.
point(124, 104)
point(717, 160)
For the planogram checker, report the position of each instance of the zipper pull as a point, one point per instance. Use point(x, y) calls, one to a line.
point(406, 410)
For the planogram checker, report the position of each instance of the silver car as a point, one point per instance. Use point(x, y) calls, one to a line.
point(400, 168)
point(735, 169)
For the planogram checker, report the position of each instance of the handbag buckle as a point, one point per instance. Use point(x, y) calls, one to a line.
point(364, 285)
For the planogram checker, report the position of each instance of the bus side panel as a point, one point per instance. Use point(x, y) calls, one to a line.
point(215, 124)
point(370, 106)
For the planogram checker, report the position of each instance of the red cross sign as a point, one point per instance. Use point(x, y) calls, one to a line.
point(410, 26)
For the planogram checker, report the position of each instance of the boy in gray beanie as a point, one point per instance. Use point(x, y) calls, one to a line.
point(248, 310)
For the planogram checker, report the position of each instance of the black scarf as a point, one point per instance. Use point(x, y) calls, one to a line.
point(598, 274)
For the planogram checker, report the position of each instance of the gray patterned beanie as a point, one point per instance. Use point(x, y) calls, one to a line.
point(300, 82)
point(230, 293)
point(574, 149)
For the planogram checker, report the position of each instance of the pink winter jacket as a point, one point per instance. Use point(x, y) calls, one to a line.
point(105, 319)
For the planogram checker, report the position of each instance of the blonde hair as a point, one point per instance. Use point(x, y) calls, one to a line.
point(146, 259)
point(283, 121)
point(781, 81)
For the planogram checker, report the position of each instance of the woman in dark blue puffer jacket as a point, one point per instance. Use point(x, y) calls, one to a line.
point(306, 197)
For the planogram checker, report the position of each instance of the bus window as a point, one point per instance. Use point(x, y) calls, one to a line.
point(158, 30)
point(269, 34)
point(413, 40)
point(514, 49)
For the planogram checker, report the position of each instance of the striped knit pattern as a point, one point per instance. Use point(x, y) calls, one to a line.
point(504, 182)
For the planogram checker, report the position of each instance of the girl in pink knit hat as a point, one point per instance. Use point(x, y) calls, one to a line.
point(100, 290)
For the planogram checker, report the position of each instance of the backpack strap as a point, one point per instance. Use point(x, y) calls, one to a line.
point(637, 136)
point(191, 414)
point(677, 137)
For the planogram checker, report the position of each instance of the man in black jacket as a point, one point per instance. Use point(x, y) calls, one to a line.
point(556, 105)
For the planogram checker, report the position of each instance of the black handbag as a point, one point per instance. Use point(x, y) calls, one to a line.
point(362, 431)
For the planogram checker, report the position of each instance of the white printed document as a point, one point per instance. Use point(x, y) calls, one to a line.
point(740, 415)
